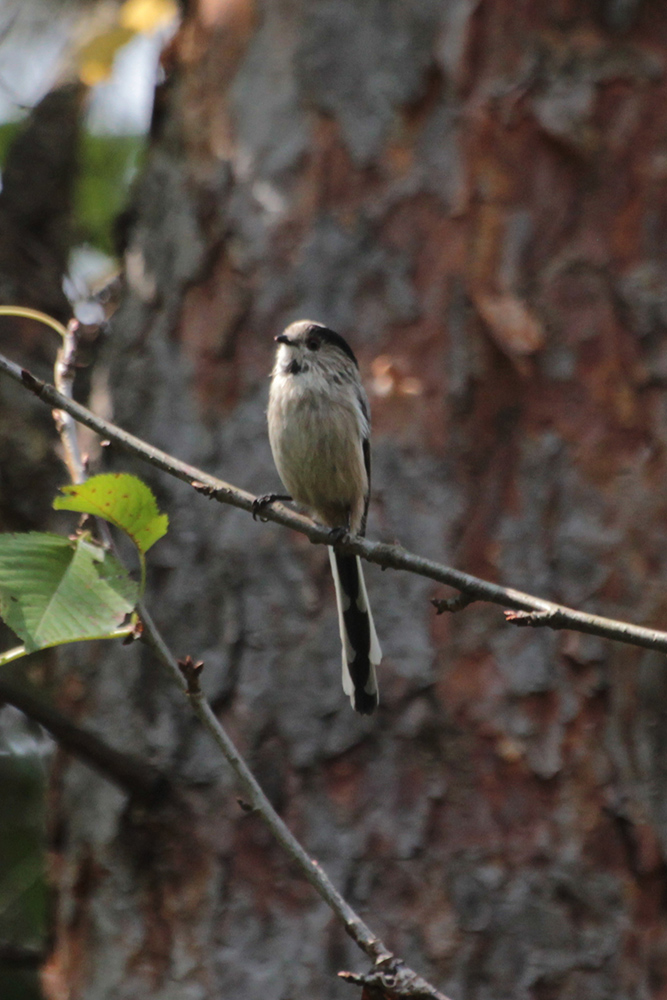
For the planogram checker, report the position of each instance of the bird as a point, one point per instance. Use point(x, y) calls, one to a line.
point(319, 430)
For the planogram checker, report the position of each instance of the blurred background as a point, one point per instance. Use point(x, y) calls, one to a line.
point(473, 192)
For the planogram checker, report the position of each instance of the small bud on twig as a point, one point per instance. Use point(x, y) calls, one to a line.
point(535, 618)
point(191, 670)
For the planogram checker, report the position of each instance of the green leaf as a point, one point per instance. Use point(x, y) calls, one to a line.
point(54, 590)
point(121, 499)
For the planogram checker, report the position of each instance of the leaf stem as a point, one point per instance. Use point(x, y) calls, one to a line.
point(26, 313)
point(18, 651)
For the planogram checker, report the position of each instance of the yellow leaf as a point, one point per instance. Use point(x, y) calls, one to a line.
point(147, 15)
point(96, 58)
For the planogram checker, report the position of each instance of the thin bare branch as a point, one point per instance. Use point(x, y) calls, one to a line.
point(552, 619)
point(387, 556)
point(391, 980)
point(386, 966)
point(186, 674)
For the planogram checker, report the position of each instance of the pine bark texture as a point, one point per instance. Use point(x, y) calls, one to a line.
point(474, 194)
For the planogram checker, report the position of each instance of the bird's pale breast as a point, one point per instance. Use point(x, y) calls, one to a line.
point(316, 444)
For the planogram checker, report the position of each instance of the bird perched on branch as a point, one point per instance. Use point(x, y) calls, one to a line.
point(319, 428)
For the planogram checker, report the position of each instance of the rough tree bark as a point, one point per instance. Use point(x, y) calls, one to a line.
point(474, 193)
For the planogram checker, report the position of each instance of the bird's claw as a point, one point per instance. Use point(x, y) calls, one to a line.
point(259, 503)
point(338, 535)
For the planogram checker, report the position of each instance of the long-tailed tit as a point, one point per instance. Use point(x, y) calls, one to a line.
point(319, 427)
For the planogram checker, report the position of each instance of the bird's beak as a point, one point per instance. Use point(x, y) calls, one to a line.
point(282, 339)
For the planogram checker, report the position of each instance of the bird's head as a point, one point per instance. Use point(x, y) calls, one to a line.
point(305, 346)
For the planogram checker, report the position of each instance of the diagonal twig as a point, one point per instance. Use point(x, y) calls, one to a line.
point(388, 556)
point(186, 673)
point(387, 967)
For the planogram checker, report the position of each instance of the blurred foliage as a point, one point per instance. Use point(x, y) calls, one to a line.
point(8, 132)
point(108, 164)
point(105, 169)
point(95, 57)
point(23, 891)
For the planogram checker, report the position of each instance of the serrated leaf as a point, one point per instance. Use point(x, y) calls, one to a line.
point(54, 590)
point(121, 499)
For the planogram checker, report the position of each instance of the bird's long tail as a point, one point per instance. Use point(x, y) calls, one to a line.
point(361, 649)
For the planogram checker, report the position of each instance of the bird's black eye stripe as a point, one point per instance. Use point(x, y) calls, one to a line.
point(313, 344)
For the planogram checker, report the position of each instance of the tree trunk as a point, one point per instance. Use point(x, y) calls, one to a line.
point(474, 195)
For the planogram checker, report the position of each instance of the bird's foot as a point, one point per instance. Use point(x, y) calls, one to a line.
point(260, 503)
point(338, 535)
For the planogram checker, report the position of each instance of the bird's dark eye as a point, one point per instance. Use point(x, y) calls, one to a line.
point(313, 344)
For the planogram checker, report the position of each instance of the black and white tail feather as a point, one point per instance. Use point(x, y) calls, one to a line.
point(319, 429)
point(361, 649)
